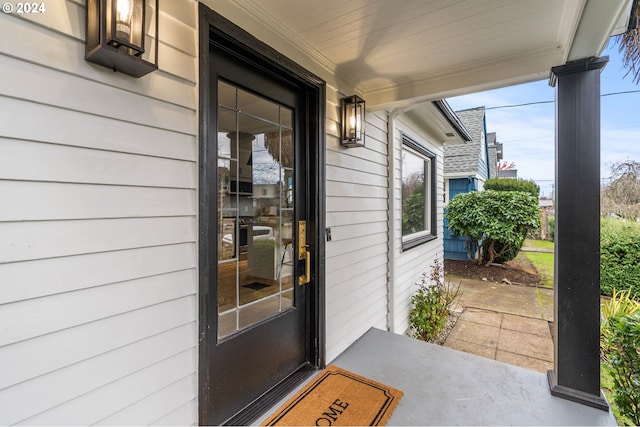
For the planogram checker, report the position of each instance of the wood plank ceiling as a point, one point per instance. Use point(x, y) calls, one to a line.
point(430, 48)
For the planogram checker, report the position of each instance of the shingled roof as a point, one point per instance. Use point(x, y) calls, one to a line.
point(462, 159)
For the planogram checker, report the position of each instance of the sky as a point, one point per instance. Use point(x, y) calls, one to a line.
point(527, 132)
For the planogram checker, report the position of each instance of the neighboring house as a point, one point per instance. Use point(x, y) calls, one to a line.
point(495, 154)
point(468, 162)
point(508, 173)
point(547, 212)
point(128, 217)
point(466, 167)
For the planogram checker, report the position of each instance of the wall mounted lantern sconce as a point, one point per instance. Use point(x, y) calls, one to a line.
point(116, 32)
point(353, 120)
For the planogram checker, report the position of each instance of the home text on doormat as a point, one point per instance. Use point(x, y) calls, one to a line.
point(338, 398)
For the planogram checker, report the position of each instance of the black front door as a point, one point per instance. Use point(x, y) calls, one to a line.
point(256, 243)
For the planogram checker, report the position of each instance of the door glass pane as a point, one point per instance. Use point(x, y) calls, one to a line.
point(227, 177)
point(227, 323)
point(286, 248)
point(226, 131)
point(256, 215)
point(287, 299)
point(286, 117)
point(226, 95)
point(261, 309)
point(256, 106)
point(227, 293)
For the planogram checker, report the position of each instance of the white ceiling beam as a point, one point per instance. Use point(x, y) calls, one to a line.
point(592, 36)
point(469, 78)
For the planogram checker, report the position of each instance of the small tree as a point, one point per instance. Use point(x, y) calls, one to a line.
point(494, 222)
point(622, 195)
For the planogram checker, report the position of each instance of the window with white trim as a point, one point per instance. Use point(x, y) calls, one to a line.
point(418, 194)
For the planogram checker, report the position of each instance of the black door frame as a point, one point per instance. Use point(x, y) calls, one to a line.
point(213, 28)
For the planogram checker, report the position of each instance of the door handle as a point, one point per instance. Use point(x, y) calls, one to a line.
point(306, 277)
point(304, 253)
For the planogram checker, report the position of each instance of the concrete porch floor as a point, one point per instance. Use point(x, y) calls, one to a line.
point(443, 386)
point(498, 377)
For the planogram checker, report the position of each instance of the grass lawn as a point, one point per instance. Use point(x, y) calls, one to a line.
point(542, 244)
point(543, 263)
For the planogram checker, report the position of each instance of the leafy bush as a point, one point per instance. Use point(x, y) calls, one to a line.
point(495, 222)
point(624, 360)
point(552, 228)
point(510, 184)
point(619, 256)
point(606, 384)
point(507, 253)
point(619, 304)
point(432, 304)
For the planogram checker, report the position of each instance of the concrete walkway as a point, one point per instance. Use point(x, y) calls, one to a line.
point(508, 323)
point(532, 249)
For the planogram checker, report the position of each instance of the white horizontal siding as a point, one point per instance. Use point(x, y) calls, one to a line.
point(39, 278)
point(412, 263)
point(48, 239)
point(52, 87)
point(98, 177)
point(34, 161)
point(43, 315)
point(139, 413)
point(187, 413)
point(33, 200)
point(69, 346)
point(169, 383)
point(31, 121)
point(64, 51)
point(356, 258)
point(29, 398)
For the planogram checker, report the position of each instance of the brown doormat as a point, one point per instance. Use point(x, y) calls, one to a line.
point(338, 398)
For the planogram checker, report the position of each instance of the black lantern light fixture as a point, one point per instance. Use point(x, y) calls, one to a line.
point(116, 32)
point(353, 120)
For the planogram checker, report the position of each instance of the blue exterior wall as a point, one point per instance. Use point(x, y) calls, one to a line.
point(455, 246)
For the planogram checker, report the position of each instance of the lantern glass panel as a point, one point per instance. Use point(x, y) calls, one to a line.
point(125, 28)
point(353, 121)
point(358, 120)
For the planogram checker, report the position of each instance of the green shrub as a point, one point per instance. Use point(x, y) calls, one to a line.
point(552, 228)
point(507, 252)
point(619, 256)
point(495, 222)
point(624, 360)
point(510, 184)
point(606, 384)
point(432, 304)
point(619, 304)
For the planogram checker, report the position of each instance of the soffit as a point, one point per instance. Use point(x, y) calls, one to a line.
point(399, 52)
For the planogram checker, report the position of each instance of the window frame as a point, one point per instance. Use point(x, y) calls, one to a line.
point(416, 239)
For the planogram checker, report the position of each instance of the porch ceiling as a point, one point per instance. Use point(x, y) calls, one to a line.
point(399, 52)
